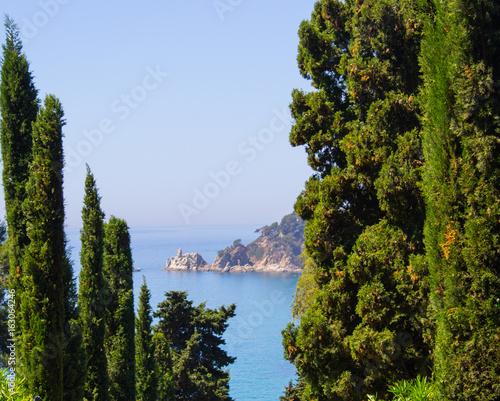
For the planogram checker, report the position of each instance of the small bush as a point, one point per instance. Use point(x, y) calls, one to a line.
point(416, 390)
point(19, 392)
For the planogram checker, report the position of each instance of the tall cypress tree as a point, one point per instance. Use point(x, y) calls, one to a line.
point(460, 60)
point(146, 379)
point(164, 368)
point(42, 303)
point(74, 357)
point(19, 107)
point(93, 293)
point(119, 343)
point(363, 319)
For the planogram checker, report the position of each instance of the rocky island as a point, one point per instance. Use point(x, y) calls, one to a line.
point(188, 261)
point(277, 250)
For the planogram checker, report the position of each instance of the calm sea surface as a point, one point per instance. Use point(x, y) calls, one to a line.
point(262, 300)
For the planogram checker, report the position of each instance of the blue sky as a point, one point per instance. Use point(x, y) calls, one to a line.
point(179, 108)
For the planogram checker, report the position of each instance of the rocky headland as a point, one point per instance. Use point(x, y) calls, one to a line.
point(276, 250)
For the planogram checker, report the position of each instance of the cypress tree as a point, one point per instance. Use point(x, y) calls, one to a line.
point(363, 300)
point(164, 368)
point(93, 293)
point(42, 303)
point(146, 378)
point(461, 98)
point(19, 108)
point(74, 357)
point(120, 346)
point(19, 105)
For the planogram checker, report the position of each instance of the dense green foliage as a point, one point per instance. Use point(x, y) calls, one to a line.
point(164, 368)
point(19, 108)
point(13, 390)
point(35, 216)
point(390, 287)
point(362, 304)
point(120, 342)
point(293, 392)
point(42, 304)
point(74, 356)
point(194, 337)
point(461, 99)
point(416, 390)
point(94, 296)
point(146, 378)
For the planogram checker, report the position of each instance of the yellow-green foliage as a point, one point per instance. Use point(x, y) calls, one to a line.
point(306, 288)
point(416, 390)
point(18, 392)
point(461, 136)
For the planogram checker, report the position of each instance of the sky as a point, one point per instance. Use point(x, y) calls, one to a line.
point(179, 108)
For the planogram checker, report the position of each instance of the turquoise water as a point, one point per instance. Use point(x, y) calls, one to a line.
point(262, 300)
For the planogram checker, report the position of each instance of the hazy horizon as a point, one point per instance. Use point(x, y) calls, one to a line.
point(180, 110)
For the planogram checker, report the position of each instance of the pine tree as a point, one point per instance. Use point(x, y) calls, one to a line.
point(194, 336)
point(19, 108)
point(119, 343)
point(42, 303)
point(363, 303)
point(146, 378)
point(293, 392)
point(461, 99)
point(94, 295)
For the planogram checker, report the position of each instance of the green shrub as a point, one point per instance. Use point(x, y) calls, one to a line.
point(415, 390)
point(19, 392)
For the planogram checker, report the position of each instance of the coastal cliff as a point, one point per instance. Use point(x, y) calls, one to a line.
point(276, 250)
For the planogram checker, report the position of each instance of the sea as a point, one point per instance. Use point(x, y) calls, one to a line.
point(263, 300)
